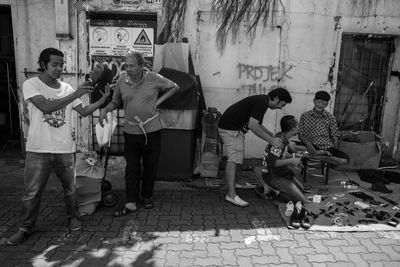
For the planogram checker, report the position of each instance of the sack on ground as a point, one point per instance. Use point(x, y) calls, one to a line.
point(89, 175)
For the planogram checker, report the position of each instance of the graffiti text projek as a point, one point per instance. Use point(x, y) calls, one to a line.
point(265, 73)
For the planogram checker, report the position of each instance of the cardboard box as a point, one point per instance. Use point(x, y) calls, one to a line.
point(363, 148)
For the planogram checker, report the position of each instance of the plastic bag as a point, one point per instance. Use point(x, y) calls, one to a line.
point(104, 134)
point(88, 166)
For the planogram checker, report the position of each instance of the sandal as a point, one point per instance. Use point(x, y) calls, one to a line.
point(123, 211)
point(148, 203)
point(17, 238)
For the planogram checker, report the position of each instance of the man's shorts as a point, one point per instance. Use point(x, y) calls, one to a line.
point(233, 145)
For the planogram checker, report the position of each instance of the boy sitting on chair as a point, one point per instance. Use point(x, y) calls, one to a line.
point(277, 171)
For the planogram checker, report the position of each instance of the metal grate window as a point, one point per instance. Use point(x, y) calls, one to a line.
point(361, 86)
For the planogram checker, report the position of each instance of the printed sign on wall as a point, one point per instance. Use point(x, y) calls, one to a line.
point(115, 37)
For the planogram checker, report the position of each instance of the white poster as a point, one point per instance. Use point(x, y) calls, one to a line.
point(116, 37)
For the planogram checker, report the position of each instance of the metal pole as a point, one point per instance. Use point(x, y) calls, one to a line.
point(9, 98)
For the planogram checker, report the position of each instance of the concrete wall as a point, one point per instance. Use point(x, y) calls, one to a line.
point(298, 55)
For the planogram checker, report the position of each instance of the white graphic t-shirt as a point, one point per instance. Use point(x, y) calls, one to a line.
point(49, 133)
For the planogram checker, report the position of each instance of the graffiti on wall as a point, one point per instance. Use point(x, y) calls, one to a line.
point(259, 79)
point(116, 64)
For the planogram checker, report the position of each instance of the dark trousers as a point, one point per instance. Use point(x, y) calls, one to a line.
point(137, 154)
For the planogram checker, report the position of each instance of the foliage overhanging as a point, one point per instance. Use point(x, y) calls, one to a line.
point(174, 16)
point(232, 13)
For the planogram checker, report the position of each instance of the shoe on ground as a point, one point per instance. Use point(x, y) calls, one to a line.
point(125, 210)
point(75, 224)
point(245, 185)
point(148, 203)
point(304, 220)
point(289, 209)
point(299, 207)
point(237, 201)
point(294, 220)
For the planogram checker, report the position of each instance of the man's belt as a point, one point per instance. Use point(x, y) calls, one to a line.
point(139, 122)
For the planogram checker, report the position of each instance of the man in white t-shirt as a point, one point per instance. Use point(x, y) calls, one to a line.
point(50, 145)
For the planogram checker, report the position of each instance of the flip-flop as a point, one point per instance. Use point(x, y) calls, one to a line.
point(18, 241)
point(123, 211)
point(148, 203)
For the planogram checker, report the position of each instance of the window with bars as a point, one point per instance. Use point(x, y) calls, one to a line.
point(361, 85)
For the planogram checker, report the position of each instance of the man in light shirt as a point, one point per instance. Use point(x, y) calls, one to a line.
point(50, 145)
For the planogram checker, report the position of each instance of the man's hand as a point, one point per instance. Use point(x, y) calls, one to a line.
point(84, 89)
point(311, 149)
point(294, 161)
point(107, 91)
point(277, 142)
point(102, 117)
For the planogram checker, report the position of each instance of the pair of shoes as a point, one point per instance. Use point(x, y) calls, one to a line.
point(299, 217)
point(75, 224)
point(148, 203)
point(237, 201)
point(18, 238)
point(246, 185)
point(123, 211)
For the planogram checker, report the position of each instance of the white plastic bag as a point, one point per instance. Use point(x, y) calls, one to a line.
point(104, 134)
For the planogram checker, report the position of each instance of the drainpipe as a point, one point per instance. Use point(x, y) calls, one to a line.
point(336, 57)
point(77, 48)
point(279, 68)
point(77, 69)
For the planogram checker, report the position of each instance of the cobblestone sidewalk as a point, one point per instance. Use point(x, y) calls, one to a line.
point(186, 228)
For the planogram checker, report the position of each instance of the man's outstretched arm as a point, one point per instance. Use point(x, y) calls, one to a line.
point(259, 131)
point(89, 109)
point(49, 106)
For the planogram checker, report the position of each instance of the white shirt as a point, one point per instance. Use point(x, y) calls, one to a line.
point(49, 133)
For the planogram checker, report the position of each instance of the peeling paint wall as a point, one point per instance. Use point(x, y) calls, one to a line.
point(299, 55)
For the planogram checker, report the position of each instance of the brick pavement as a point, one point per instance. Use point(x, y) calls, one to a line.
point(192, 227)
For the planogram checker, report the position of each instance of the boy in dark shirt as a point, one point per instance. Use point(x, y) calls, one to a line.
point(276, 169)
